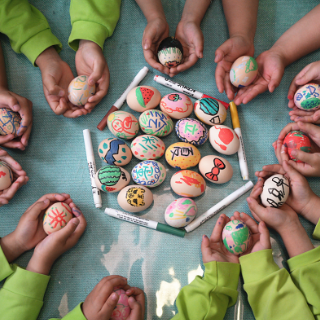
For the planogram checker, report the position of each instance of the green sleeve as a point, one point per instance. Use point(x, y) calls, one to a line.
point(305, 273)
point(21, 296)
point(209, 297)
point(271, 291)
point(5, 268)
point(27, 29)
point(75, 314)
point(316, 231)
point(93, 20)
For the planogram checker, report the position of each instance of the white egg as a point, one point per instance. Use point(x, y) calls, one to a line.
point(224, 139)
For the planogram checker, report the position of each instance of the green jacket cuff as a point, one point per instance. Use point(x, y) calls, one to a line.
point(87, 30)
point(304, 259)
point(222, 274)
point(38, 43)
point(27, 283)
point(5, 267)
point(316, 232)
point(75, 314)
point(256, 266)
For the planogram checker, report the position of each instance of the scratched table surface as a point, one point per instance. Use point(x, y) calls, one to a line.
point(55, 160)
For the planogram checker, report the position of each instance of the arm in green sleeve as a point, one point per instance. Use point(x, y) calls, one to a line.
point(93, 20)
point(27, 29)
point(210, 296)
point(271, 291)
point(5, 268)
point(21, 296)
point(305, 273)
point(316, 231)
point(75, 314)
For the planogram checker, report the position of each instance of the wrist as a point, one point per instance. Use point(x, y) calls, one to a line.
point(48, 54)
point(87, 44)
point(39, 264)
point(190, 18)
point(280, 51)
point(156, 16)
point(10, 247)
point(311, 210)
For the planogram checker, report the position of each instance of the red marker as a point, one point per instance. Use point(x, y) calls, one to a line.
point(181, 88)
point(117, 105)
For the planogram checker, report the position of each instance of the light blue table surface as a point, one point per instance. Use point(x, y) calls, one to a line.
point(55, 159)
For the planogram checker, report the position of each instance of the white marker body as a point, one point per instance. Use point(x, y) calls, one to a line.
point(242, 156)
point(92, 168)
point(218, 207)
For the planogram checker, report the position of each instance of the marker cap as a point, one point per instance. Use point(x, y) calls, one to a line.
point(167, 229)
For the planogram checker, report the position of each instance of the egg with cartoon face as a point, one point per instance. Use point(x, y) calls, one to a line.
point(123, 124)
point(170, 52)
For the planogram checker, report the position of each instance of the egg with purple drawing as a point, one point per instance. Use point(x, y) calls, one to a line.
point(308, 97)
point(9, 122)
point(180, 212)
point(191, 131)
point(243, 71)
point(6, 176)
point(79, 91)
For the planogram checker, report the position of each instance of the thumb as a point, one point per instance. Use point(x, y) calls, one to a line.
point(306, 75)
point(136, 309)
point(53, 89)
point(36, 210)
point(97, 72)
point(256, 208)
point(222, 51)
point(264, 235)
point(275, 79)
point(303, 156)
point(147, 39)
point(198, 44)
point(109, 306)
point(68, 230)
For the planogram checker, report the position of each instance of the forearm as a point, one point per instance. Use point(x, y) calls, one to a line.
point(295, 238)
point(10, 247)
point(152, 9)
point(3, 77)
point(312, 210)
point(241, 17)
point(195, 10)
point(301, 39)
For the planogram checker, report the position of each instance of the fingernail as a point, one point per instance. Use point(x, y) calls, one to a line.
point(16, 107)
point(241, 215)
point(61, 93)
point(75, 221)
point(204, 237)
point(91, 82)
point(145, 47)
point(76, 211)
point(283, 149)
point(46, 201)
point(294, 152)
point(114, 296)
point(249, 200)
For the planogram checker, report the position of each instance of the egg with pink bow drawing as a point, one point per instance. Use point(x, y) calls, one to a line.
point(6, 176)
point(122, 310)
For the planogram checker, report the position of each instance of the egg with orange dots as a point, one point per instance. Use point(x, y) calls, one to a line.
point(56, 217)
point(177, 105)
point(224, 139)
point(182, 155)
point(187, 183)
point(296, 140)
point(243, 71)
point(79, 91)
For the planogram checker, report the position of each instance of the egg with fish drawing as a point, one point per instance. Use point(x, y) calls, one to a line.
point(224, 139)
point(275, 191)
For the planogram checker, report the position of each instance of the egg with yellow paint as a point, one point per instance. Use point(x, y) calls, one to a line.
point(6, 176)
point(182, 155)
point(79, 90)
point(56, 217)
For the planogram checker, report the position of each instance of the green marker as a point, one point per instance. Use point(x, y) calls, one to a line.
point(144, 222)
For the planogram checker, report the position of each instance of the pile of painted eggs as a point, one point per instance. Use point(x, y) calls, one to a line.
point(149, 148)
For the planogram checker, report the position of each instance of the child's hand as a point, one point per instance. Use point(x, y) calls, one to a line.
point(310, 73)
point(91, 62)
point(310, 165)
point(29, 231)
point(155, 31)
point(271, 68)
point(301, 198)
point(55, 244)
point(213, 249)
point(136, 303)
point(23, 106)
point(225, 56)
point(260, 238)
point(19, 178)
point(190, 35)
point(56, 77)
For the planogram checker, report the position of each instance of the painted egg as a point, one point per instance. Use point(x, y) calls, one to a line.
point(216, 169)
point(155, 122)
point(123, 124)
point(275, 191)
point(6, 176)
point(308, 97)
point(122, 310)
point(243, 71)
point(224, 139)
point(182, 155)
point(112, 178)
point(176, 105)
point(170, 52)
point(147, 147)
point(135, 198)
point(79, 91)
point(9, 122)
point(236, 236)
point(180, 212)
point(143, 98)
point(114, 151)
point(187, 183)
point(297, 140)
point(192, 131)
point(149, 173)
point(56, 217)
point(210, 111)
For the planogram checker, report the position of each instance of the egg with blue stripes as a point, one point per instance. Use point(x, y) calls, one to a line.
point(210, 111)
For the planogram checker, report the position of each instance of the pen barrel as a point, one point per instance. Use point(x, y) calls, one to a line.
point(103, 123)
point(234, 115)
